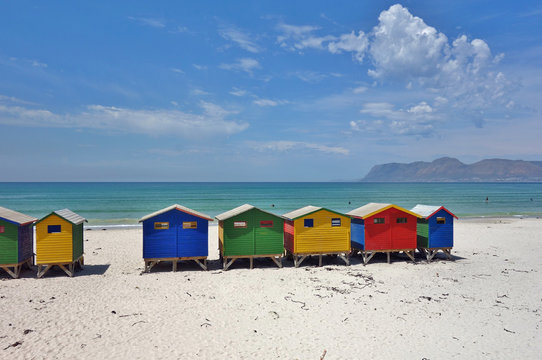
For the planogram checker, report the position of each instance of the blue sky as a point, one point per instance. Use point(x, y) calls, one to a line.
point(263, 91)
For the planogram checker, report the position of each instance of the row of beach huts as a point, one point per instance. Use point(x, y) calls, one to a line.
point(178, 233)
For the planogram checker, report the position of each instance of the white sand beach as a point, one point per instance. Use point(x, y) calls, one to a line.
point(485, 304)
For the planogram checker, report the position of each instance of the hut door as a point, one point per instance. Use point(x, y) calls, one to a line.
point(378, 230)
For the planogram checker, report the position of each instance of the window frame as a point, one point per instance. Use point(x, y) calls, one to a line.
point(308, 223)
point(237, 224)
point(266, 223)
point(401, 220)
point(441, 220)
point(2, 229)
point(379, 220)
point(190, 224)
point(161, 225)
point(52, 229)
point(336, 219)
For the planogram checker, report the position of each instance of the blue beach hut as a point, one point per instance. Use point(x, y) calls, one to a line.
point(435, 230)
point(173, 234)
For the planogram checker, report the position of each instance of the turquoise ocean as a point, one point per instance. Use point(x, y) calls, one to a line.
point(121, 204)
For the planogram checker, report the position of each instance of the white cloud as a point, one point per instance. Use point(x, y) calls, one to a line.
point(285, 146)
point(245, 64)
point(359, 90)
point(350, 43)
point(405, 49)
point(153, 22)
point(269, 102)
point(419, 119)
point(238, 92)
point(402, 49)
point(178, 71)
point(199, 67)
point(296, 38)
point(403, 46)
point(313, 77)
point(211, 121)
point(240, 38)
point(199, 92)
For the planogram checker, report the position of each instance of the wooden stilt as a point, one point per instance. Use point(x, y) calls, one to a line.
point(410, 254)
point(278, 262)
point(226, 264)
point(251, 263)
point(319, 260)
point(298, 260)
point(44, 271)
point(345, 259)
point(203, 264)
point(174, 265)
point(389, 257)
point(14, 270)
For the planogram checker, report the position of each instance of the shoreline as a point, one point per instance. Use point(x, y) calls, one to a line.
point(215, 222)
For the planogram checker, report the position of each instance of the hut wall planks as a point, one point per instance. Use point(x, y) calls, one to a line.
point(322, 237)
point(56, 247)
point(441, 235)
point(8, 243)
point(175, 240)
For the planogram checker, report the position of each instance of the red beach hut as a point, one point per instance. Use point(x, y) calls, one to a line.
point(383, 228)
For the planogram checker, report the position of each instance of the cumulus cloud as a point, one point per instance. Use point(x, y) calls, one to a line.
point(402, 49)
point(356, 44)
point(285, 146)
point(242, 39)
point(247, 65)
point(297, 38)
point(418, 119)
point(210, 121)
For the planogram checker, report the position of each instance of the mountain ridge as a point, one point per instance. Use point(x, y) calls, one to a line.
point(448, 169)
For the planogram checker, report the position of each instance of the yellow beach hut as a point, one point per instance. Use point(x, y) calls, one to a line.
point(59, 241)
point(313, 230)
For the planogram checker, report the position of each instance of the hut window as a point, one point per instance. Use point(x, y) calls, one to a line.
point(239, 224)
point(266, 223)
point(161, 225)
point(401, 220)
point(2, 229)
point(336, 222)
point(441, 220)
point(190, 224)
point(379, 220)
point(51, 229)
point(308, 223)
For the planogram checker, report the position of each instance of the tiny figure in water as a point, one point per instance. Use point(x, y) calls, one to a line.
point(350, 202)
point(272, 205)
point(487, 199)
point(531, 199)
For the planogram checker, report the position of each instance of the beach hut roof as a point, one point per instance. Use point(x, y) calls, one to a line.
point(16, 217)
point(292, 215)
point(426, 211)
point(180, 208)
point(239, 210)
point(374, 208)
point(68, 215)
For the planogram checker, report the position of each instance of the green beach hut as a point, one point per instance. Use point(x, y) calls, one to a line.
point(249, 232)
point(16, 238)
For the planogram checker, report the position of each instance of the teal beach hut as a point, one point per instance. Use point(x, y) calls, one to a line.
point(435, 230)
point(16, 240)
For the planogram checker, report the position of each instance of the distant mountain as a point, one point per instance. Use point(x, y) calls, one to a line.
point(452, 170)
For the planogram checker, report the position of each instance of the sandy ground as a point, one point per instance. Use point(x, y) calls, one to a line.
point(485, 304)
